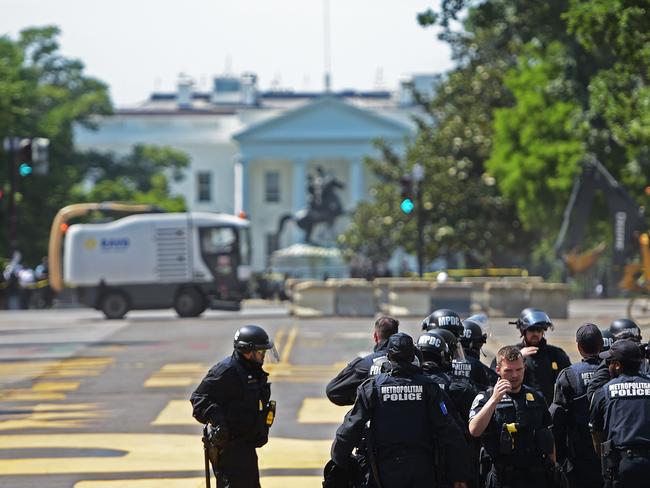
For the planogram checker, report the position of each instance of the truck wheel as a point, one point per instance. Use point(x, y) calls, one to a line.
point(114, 305)
point(189, 303)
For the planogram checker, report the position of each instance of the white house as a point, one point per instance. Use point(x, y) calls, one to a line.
point(252, 151)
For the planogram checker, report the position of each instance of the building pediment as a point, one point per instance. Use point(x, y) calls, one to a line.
point(326, 119)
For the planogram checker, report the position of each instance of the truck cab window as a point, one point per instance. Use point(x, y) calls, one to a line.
point(218, 240)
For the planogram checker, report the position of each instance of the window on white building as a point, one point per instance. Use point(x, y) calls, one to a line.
point(272, 186)
point(204, 186)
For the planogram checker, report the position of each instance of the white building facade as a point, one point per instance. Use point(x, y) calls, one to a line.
point(253, 152)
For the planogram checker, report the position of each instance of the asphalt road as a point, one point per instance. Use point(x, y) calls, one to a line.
point(90, 403)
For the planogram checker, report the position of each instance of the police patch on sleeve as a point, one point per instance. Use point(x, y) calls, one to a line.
point(443, 408)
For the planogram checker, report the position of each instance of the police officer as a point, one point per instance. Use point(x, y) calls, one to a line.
point(514, 424)
point(620, 418)
point(342, 390)
point(619, 329)
point(473, 339)
point(409, 424)
point(446, 319)
point(437, 364)
point(543, 361)
point(570, 412)
point(234, 397)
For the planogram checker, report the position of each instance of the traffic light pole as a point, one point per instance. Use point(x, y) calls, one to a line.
point(12, 218)
point(420, 225)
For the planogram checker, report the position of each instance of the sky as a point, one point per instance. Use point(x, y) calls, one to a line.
point(141, 46)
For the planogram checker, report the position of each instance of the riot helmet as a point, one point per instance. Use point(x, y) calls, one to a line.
point(253, 338)
point(474, 332)
point(455, 348)
point(434, 349)
point(444, 318)
point(608, 339)
point(401, 348)
point(625, 329)
point(533, 317)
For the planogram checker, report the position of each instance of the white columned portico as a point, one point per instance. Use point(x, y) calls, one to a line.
point(355, 178)
point(242, 169)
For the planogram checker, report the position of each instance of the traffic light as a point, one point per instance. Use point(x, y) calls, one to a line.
point(25, 157)
point(406, 201)
point(33, 156)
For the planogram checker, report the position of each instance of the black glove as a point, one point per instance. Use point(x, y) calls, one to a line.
point(218, 436)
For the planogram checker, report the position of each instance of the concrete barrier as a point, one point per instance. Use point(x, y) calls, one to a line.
point(355, 298)
point(409, 298)
point(553, 298)
point(451, 294)
point(313, 299)
point(506, 299)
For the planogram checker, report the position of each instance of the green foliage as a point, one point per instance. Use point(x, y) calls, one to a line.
point(537, 145)
point(138, 177)
point(44, 94)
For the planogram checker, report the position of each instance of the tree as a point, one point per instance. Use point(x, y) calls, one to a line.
point(43, 94)
point(140, 176)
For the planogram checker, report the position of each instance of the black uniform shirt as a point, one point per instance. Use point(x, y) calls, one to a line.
point(532, 439)
point(570, 412)
point(342, 390)
point(621, 411)
point(408, 414)
point(234, 393)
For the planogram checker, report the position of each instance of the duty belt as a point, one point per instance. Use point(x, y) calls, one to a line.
point(635, 451)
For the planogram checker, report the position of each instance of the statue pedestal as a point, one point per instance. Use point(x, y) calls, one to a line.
point(309, 262)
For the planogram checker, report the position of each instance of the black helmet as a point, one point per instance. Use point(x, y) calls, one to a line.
point(533, 317)
point(608, 339)
point(625, 329)
point(473, 335)
point(401, 348)
point(251, 337)
point(455, 349)
point(444, 319)
point(434, 348)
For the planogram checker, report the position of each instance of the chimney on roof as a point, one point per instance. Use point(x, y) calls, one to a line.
point(184, 94)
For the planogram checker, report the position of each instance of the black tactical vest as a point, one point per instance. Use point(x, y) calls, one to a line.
point(627, 411)
point(246, 415)
point(517, 438)
point(579, 375)
point(400, 421)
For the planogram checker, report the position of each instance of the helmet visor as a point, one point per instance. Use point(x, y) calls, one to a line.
point(536, 318)
point(482, 320)
point(267, 352)
point(457, 352)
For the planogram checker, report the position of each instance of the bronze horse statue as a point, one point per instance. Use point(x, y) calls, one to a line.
point(323, 204)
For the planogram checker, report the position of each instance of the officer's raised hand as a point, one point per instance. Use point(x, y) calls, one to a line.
point(501, 388)
point(529, 351)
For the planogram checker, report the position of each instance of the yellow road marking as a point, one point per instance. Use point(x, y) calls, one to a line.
point(54, 417)
point(144, 453)
point(27, 395)
point(320, 411)
point(56, 386)
point(266, 482)
point(177, 412)
point(291, 339)
point(176, 374)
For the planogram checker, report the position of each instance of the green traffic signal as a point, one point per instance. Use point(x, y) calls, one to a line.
point(407, 206)
point(25, 169)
